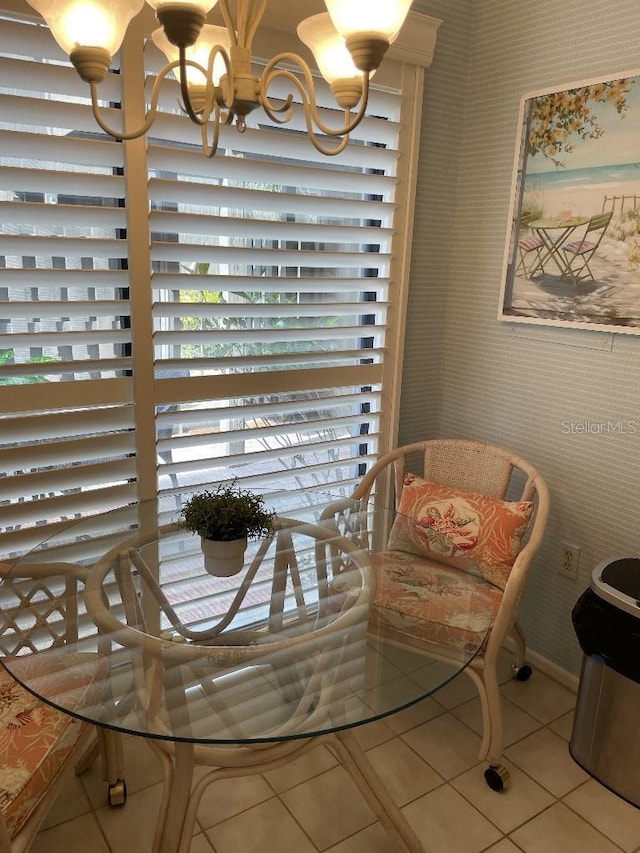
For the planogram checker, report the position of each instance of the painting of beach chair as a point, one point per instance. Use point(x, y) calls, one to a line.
point(527, 243)
point(578, 253)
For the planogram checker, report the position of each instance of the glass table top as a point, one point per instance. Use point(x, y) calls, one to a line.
point(290, 647)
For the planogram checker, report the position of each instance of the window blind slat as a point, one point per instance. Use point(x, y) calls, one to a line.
point(207, 413)
point(69, 308)
point(78, 450)
point(164, 159)
point(61, 182)
point(299, 311)
point(278, 361)
point(65, 424)
point(273, 284)
point(236, 227)
point(163, 191)
point(269, 257)
point(70, 338)
point(92, 219)
point(106, 282)
point(51, 150)
point(62, 246)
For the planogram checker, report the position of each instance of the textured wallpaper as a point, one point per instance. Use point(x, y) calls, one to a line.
point(469, 375)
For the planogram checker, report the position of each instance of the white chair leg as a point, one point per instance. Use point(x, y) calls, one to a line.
point(521, 669)
point(484, 707)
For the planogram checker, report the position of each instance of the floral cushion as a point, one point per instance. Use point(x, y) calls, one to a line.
point(37, 741)
point(453, 523)
point(432, 602)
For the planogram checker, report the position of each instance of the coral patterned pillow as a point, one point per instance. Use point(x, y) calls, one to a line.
point(451, 521)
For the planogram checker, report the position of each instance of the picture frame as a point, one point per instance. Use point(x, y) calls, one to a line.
point(572, 251)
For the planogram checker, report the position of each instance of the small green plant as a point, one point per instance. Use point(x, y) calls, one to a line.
point(226, 513)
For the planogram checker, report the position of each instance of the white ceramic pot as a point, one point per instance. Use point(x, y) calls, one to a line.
point(223, 558)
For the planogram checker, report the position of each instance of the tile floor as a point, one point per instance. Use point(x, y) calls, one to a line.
point(428, 757)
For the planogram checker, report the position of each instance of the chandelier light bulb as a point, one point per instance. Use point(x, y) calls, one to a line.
point(88, 23)
point(328, 47)
point(203, 6)
point(377, 18)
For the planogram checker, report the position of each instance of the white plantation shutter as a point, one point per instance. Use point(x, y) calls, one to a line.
point(67, 444)
point(169, 321)
point(271, 278)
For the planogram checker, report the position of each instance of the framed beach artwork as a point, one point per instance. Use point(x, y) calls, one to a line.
point(572, 253)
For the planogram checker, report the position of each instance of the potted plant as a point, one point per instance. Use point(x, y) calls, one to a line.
point(225, 519)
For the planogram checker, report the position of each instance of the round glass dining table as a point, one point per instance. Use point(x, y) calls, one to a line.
point(238, 673)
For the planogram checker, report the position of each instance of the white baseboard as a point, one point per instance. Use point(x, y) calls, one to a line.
point(567, 679)
point(562, 676)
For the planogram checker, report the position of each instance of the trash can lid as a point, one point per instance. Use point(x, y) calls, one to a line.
point(618, 582)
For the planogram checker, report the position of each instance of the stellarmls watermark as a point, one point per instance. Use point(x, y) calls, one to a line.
point(587, 427)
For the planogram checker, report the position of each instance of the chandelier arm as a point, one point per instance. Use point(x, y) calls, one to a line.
point(228, 21)
point(254, 21)
point(149, 117)
point(218, 92)
point(270, 73)
point(308, 116)
point(210, 149)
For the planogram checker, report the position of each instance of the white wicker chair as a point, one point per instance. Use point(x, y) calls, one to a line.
point(495, 473)
point(39, 609)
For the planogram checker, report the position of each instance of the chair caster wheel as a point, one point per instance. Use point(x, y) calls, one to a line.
point(522, 673)
point(497, 777)
point(117, 793)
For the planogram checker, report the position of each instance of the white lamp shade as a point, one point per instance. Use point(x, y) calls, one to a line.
point(88, 23)
point(199, 52)
point(328, 47)
point(203, 5)
point(382, 18)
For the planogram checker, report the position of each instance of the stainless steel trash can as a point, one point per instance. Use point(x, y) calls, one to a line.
point(605, 740)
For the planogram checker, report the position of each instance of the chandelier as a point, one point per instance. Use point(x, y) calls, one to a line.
point(214, 66)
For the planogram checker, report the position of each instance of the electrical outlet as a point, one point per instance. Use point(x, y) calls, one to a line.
point(569, 559)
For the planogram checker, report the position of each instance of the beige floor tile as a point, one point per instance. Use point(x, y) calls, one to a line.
point(372, 734)
point(72, 801)
point(563, 726)
point(403, 659)
point(373, 839)
point(614, 817)
point(504, 846)
point(459, 688)
point(329, 808)
point(80, 835)
point(544, 755)
point(265, 827)
point(540, 696)
point(521, 801)
point(300, 769)
point(414, 715)
point(516, 722)
point(446, 744)
point(131, 829)
point(200, 844)
point(560, 830)
point(445, 821)
point(228, 797)
point(406, 776)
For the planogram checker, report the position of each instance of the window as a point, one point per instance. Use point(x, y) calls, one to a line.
point(168, 320)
